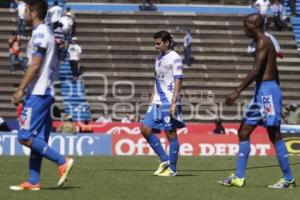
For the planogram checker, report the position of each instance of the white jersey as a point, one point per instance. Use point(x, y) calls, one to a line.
point(168, 68)
point(55, 13)
point(263, 6)
point(21, 10)
point(74, 51)
point(42, 37)
point(67, 23)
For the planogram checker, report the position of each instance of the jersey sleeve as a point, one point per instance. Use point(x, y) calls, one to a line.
point(177, 68)
point(40, 44)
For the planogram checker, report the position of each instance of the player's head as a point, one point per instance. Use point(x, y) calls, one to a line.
point(74, 39)
point(35, 10)
point(162, 40)
point(56, 3)
point(253, 23)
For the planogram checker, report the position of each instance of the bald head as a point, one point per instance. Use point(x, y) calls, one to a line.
point(254, 20)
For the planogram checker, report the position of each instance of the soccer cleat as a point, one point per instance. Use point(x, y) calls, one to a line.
point(232, 180)
point(283, 184)
point(64, 171)
point(167, 173)
point(25, 186)
point(162, 167)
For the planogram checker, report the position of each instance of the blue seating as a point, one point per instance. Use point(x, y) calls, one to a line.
point(73, 95)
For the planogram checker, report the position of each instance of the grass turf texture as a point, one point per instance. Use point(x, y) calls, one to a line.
point(131, 178)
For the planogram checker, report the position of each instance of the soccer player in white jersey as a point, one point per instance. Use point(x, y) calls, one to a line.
point(37, 84)
point(164, 112)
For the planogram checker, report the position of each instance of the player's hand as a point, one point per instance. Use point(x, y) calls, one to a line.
point(231, 98)
point(172, 110)
point(17, 97)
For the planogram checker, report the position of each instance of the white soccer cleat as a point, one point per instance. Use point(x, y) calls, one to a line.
point(64, 171)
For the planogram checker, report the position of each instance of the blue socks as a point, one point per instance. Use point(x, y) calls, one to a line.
point(173, 153)
point(283, 159)
point(40, 146)
point(157, 147)
point(35, 162)
point(242, 158)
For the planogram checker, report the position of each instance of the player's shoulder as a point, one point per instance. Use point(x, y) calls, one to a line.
point(173, 54)
point(41, 32)
point(263, 41)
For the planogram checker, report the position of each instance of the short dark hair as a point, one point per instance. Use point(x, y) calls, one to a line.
point(40, 6)
point(56, 3)
point(255, 19)
point(163, 35)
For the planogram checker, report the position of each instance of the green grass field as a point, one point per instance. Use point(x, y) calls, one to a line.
point(123, 178)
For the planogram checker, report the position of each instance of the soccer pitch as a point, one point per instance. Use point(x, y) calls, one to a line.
point(114, 178)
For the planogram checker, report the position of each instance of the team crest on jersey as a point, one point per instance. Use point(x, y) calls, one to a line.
point(268, 105)
point(26, 118)
point(167, 119)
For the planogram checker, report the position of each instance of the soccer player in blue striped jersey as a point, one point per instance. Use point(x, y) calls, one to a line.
point(164, 112)
point(37, 83)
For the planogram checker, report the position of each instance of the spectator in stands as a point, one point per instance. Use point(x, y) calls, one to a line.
point(15, 59)
point(67, 125)
point(67, 27)
point(21, 23)
point(3, 126)
point(263, 7)
point(148, 6)
point(69, 12)
point(85, 127)
point(219, 129)
point(13, 4)
point(292, 4)
point(279, 16)
point(74, 51)
point(60, 41)
point(293, 115)
point(187, 44)
point(55, 13)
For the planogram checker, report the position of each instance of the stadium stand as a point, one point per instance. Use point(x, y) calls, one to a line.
point(119, 45)
point(119, 54)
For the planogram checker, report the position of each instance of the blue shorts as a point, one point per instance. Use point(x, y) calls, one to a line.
point(265, 107)
point(36, 118)
point(157, 118)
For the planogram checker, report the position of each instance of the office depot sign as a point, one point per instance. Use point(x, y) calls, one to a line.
point(191, 145)
point(195, 140)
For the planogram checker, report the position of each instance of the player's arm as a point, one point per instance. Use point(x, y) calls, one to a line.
point(178, 75)
point(259, 62)
point(176, 95)
point(30, 75)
